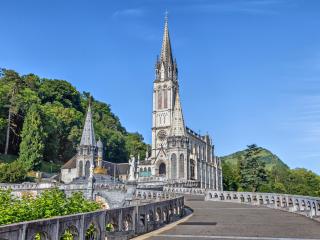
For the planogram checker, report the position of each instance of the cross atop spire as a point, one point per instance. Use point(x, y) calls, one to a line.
point(166, 53)
point(88, 137)
point(177, 127)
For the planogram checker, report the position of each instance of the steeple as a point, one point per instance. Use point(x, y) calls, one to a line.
point(177, 127)
point(166, 53)
point(166, 67)
point(88, 138)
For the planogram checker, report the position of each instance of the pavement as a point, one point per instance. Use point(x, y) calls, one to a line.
point(221, 220)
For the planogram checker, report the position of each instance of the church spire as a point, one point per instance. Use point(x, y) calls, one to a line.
point(166, 53)
point(177, 127)
point(88, 137)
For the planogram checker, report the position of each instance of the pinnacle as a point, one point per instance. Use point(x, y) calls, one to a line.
point(88, 137)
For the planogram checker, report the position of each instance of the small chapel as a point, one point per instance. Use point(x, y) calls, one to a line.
point(89, 162)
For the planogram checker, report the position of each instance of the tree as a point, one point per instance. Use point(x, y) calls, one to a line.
point(15, 98)
point(61, 91)
point(12, 172)
point(230, 177)
point(135, 145)
point(252, 170)
point(32, 144)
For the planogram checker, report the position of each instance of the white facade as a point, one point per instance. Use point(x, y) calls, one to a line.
point(178, 154)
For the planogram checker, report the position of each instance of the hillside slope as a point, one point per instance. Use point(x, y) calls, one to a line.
point(265, 155)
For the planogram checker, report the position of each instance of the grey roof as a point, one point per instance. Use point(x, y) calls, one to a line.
point(166, 53)
point(177, 127)
point(123, 168)
point(72, 163)
point(88, 138)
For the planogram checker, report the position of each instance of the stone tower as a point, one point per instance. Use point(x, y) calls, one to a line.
point(87, 149)
point(177, 143)
point(165, 88)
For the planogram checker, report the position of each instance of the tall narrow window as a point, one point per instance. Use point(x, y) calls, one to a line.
point(160, 99)
point(165, 105)
point(181, 166)
point(173, 166)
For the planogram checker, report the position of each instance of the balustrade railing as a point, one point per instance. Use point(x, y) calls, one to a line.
point(305, 205)
point(118, 223)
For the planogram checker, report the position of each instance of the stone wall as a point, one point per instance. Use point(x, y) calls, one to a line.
point(304, 205)
point(118, 223)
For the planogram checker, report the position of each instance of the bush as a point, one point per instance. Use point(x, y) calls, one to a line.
point(48, 204)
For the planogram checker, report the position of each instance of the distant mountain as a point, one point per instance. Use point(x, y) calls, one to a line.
point(265, 155)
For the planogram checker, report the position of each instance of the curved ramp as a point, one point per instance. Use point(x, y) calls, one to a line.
point(223, 220)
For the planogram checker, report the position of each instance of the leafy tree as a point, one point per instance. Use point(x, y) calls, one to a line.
point(230, 177)
point(252, 170)
point(135, 145)
point(15, 98)
point(62, 127)
point(61, 91)
point(13, 172)
point(32, 144)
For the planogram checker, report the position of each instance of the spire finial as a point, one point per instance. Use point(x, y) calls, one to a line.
point(166, 16)
point(166, 55)
point(90, 100)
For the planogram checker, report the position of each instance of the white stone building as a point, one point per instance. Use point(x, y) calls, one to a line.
point(89, 158)
point(178, 154)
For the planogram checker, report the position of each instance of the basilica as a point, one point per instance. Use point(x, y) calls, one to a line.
point(178, 154)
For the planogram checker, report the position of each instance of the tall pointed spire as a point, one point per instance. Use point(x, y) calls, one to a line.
point(166, 53)
point(177, 127)
point(88, 137)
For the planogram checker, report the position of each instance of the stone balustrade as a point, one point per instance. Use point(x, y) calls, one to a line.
point(308, 206)
point(118, 223)
point(145, 194)
point(26, 186)
point(182, 190)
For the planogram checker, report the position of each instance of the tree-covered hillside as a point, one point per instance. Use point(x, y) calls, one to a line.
point(258, 169)
point(271, 160)
point(46, 120)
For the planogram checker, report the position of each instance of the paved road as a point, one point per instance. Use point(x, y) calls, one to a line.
point(219, 220)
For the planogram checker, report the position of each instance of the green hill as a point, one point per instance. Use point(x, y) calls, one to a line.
point(265, 155)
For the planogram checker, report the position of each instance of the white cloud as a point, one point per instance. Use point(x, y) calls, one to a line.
point(252, 7)
point(129, 12)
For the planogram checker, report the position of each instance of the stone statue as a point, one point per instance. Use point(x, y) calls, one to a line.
point(132, 165)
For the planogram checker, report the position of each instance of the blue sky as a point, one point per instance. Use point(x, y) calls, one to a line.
point(249, 70)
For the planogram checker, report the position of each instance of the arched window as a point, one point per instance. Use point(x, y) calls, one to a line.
point(165, 93)
point(181, 166)
point(149, 169)
point(87, 169)
point(173, 166)
point(162, 169)
point(80, 173)
point(160, 99)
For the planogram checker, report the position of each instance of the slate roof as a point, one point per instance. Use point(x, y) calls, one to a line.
point(88, 137)
point(72, 163)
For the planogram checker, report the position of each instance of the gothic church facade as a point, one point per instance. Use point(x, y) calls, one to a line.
point(178, 154)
